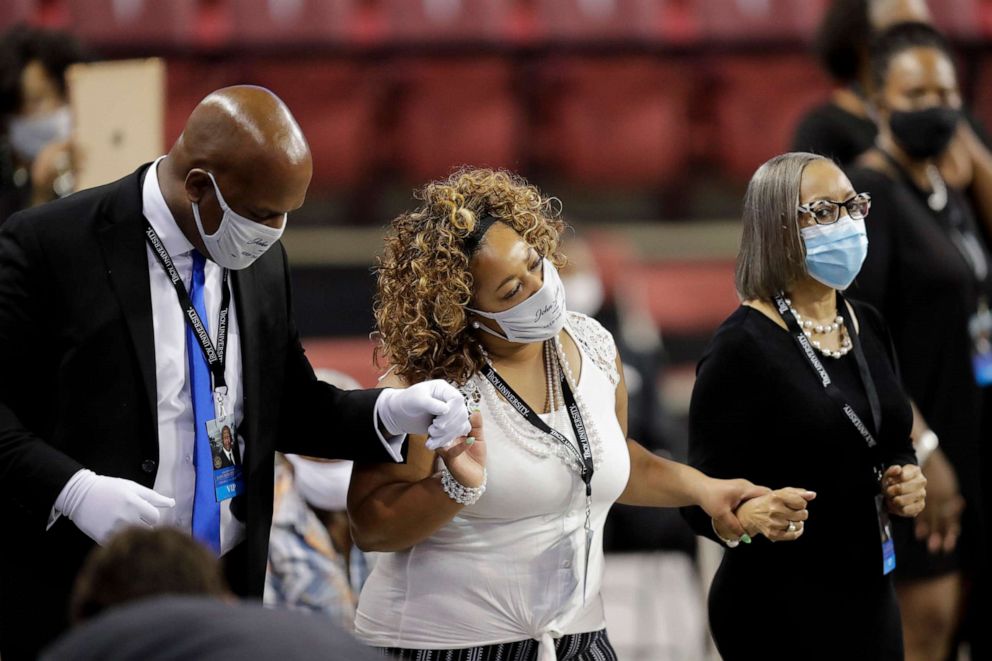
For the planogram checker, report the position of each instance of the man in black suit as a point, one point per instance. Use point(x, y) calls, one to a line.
point(225, 454)
point(133, 313)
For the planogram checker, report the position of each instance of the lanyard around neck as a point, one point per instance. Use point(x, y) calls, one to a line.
point(583, 454)
point(215, 356)
point(868, 433)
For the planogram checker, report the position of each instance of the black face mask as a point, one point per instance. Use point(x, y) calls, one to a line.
point(924, 133)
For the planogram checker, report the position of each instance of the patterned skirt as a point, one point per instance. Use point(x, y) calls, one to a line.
point(592, 646)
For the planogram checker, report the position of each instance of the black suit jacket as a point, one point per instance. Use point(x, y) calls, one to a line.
point(77, 389)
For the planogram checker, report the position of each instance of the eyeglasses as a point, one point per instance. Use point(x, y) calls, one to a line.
point(827, 212)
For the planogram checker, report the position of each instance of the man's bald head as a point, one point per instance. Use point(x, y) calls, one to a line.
point(235, 126)
point(247, 138)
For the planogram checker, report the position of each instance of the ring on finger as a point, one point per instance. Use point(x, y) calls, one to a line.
point(792, 527)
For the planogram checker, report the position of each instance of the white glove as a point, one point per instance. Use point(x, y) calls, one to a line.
point(100, 505)
point(435, 408)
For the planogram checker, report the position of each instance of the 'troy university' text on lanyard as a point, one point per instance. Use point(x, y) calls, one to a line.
point(867, 433)
point(582, 454)
point(215, 357)
point(221, 431)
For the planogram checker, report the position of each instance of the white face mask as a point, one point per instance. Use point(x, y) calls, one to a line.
point(539, 318)
point(29, 135)
point(238, 241)
point(323, 484)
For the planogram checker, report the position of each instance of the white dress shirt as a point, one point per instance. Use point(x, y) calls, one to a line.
point(176, 477)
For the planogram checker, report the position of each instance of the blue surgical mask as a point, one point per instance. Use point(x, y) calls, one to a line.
point(835, 252)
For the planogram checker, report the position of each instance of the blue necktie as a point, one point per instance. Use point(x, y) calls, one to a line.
point(206, 509)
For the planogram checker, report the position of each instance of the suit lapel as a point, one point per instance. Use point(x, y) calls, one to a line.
point(246, 296)
point(122, 241)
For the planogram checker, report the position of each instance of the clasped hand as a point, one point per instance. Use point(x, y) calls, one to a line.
point(779, 515)
point(905, 490)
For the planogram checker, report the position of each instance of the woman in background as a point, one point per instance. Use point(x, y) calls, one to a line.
point(928, 273)
point(35, 123)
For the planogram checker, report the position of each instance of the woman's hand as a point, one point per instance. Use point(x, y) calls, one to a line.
point(778, 515)
point(719, 499)
point(940, 521)
point(467, 461)
point(905, 490)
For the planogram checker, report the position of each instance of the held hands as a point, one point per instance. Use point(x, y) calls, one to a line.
point(101, 506)
point(778, 515)
point(435, 408)
point(940, 521)
point(720, 498)
point(905, 490)
point(467, 461)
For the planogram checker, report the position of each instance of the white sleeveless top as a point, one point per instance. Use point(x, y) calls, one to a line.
point(510, 567)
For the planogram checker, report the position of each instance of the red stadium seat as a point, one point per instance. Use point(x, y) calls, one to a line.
point(685, 298)
point(960, 19)
point(134, 23)
point(740, 21)
point(622, 121)
point(188, 80)
point(334, 100)
point(448, 20)
point(453, 112)
point(600, 19)
point(757, 102)
point(293, 21)
point(16, 11)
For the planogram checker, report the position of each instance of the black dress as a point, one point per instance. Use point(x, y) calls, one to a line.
point(759, 412)
point(927, 292)
point(832, 131)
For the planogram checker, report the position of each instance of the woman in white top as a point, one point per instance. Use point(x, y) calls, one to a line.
point(495, 543)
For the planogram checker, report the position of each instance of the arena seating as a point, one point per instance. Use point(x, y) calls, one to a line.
point(613, 121)
point(639, 93)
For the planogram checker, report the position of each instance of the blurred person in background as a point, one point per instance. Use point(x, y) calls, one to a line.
point(158, 594)
point(313, 563)
point(493, 546)
point(844, 127)
point(927, 271)
point(847, 125)
point(138, 563)
point(799, 387)
point(35, 121)
point(651, 590)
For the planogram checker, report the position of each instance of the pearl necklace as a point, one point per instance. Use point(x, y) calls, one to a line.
point(809, 327)
point(529, 437)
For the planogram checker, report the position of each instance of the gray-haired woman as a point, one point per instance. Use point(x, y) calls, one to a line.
point(799, 387)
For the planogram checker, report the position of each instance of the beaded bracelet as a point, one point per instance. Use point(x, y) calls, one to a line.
point(730, 543)
point(460, 493)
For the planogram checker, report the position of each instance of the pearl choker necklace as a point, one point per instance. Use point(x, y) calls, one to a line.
point(810, 327)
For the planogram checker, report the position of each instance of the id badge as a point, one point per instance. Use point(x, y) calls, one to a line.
point(885, 533)
point(980, 330)
point(226, 457)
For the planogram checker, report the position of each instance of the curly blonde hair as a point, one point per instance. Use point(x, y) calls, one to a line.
point(424, 282)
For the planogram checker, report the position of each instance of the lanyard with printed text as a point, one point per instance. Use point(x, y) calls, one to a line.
point(806, 348)
point(582, 454)
point(214, 356)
